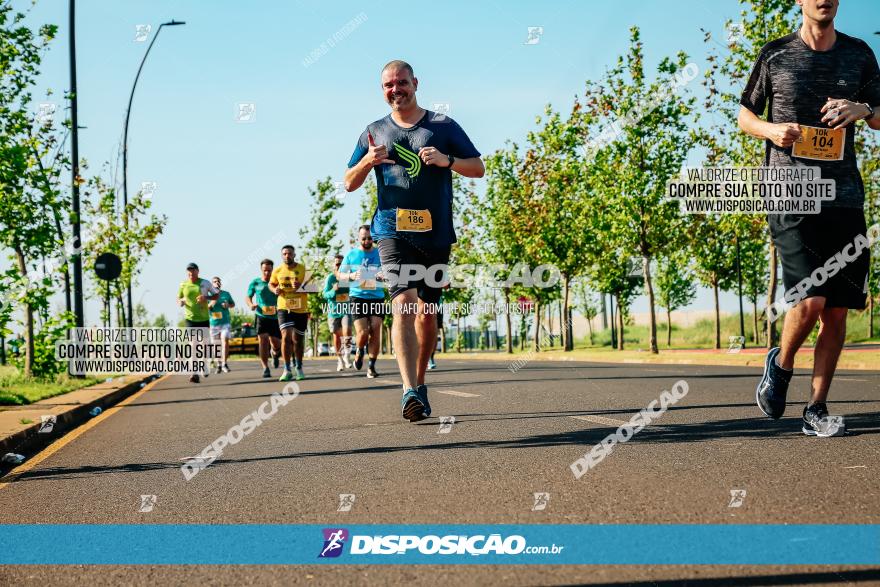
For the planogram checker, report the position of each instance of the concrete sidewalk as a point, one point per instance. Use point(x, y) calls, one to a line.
point(70, 410)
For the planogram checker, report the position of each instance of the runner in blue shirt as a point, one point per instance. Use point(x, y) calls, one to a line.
point(361, 272)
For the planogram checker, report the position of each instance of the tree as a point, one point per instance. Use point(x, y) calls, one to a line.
point(586, 302)
point(729, 66)
point(652, 141)
point(26, 231)
point(714, 259)
point(499, 245)
point(675, 288)
point(321, 243)
point(130, 233)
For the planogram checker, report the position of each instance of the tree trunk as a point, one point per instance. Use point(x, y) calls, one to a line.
point(870, 316)
point(568, 344)
point(771, 297)
point(442, 339)
point(28, 319)
point(589, 330)
point(717, 314)
point(619, 325)
point(668, 328)
point(458, 334)
point(538, 309)
point(755, 336)
point(507, 319)
point(646, 268)
point(550, 323)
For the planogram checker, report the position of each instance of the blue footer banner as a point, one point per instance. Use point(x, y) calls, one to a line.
point(498, 544)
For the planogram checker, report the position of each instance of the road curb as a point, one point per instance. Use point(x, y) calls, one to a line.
point(29, 440)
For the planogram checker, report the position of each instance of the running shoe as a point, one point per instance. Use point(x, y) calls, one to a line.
point(267, 372)
point(422, 390)
point(286, 376)
point(339, 364)
point(299, 374)
point(218, 370)
point(411, 406)
point(771, 390)
point(194, 378)
point(359, 359)
point(371, 372)
point(817, 422)
point(275, 360)
point(225, 368)
point(431, 364)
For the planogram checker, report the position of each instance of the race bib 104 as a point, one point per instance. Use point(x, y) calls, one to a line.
point(820, 144)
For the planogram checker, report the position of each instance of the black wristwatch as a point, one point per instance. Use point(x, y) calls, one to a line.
point(870, 111)
point(452, 159)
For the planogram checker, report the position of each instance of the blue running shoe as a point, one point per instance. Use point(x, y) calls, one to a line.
point(422, 390)
point(411, 406)
point(771, 390)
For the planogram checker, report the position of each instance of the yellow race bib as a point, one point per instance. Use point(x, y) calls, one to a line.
point(368, 284)
point(296, 303)
point(217, 315)
point(268, 310)
point(342, 297)
point(413, 220)
point(820, 144)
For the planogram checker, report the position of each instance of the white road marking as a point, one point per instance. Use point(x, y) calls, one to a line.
point(455, 393)
point(857, 467)
point(600, 420)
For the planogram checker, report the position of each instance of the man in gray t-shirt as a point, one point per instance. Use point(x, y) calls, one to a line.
point(815, 84)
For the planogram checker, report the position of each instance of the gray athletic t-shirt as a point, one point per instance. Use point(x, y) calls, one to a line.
point(794, 82)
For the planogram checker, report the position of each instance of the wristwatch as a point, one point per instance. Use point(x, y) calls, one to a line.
point(870, 111)
point(452, 159)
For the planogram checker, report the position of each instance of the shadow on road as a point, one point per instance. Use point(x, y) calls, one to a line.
point(758, 580)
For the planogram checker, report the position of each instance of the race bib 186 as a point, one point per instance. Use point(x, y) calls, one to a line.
point(413, 220)
point(820, 144)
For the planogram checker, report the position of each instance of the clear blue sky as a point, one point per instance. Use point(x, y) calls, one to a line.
point(227, 187)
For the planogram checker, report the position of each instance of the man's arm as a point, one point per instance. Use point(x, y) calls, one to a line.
point(472, 167)
point(375, 155)
point(782, 134)
point(250, 295)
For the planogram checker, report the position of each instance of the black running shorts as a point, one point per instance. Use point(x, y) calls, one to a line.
point(812, 247)
point(296, 320)
point(395, 252)
point(268, 325)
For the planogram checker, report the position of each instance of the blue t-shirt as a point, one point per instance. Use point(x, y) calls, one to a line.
point(219, 314)
point(410, 184)
point(369, 264)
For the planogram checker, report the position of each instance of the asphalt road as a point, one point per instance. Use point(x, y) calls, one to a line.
point(514, 434)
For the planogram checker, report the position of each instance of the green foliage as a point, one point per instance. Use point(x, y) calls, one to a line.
point(46, 366)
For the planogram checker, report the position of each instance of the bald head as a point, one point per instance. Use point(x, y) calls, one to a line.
point(399, 86)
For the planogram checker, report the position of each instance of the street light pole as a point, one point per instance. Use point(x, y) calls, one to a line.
point(125, 160)
point(78, 310)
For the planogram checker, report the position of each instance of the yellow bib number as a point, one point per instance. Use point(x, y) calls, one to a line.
point(296, 303)
point(217, 315)
point(821, 144)
point(368, 284)
point(342, 297)
point(268, 310)
point(413, 220)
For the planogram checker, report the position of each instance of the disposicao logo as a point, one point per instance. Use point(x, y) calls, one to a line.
point(413, 162)
point(334, 540)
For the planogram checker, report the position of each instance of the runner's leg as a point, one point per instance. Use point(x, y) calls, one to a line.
point(832, 333)
point(426, 332)
point(799, 323)
point(403, 335)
